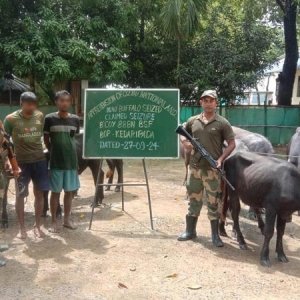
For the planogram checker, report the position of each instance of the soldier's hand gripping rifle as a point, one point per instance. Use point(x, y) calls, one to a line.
point(9, 147)
point(199, 148)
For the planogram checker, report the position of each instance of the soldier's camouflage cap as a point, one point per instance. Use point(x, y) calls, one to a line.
point(209, 93)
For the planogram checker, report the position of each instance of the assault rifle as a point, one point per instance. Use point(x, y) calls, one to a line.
point(199, 148)
point(7, 145)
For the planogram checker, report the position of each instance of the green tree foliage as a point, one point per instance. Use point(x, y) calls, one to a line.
point(283, 14)
point(149, 57)
point(180, 20)
point(230, 52)
point(141, 43)
point(55, 40)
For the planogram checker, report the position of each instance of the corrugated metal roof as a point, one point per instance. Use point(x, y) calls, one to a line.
point(13, 83)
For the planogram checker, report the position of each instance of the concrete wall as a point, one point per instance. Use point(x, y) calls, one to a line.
point(296, 95)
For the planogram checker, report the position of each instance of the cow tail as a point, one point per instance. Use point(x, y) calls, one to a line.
point(225, 204)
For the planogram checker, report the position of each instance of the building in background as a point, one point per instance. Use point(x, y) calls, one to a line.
point(266, 90)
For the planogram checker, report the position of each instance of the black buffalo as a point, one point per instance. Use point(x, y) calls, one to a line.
point(245, 141)
point(263, 182)
point(114, 164)
point(294, 150)
point(255, 142)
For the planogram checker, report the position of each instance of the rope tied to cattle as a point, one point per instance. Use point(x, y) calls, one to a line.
point(277, 155)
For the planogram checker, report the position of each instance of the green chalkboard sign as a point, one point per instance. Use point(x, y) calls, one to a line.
point(131, 123)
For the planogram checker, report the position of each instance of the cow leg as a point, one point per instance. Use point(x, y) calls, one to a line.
point(252, 213)
point(100, 193)
point(46, 204)
point(260, 221)
point(59, 210)
point(222, 230)
point(4, 217)
point(280, 226)
point(187, 158)
point(268, 233)
point(119, 166)
point(110, 180)
point(186, 175)
point(224, 209)
point(99, 189)
point(110, 173)
point(235, 212)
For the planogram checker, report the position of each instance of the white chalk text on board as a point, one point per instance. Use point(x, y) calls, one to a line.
point(131, 123)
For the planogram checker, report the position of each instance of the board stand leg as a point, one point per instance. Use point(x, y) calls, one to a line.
point(148, 194)
point(96, 189)
point(123, 195)
point(123, 200)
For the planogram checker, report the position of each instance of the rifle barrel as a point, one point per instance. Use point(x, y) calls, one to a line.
point(197, 145)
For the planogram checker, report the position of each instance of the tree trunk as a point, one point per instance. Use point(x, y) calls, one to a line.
point(32, 81)
point(287, 77)
point(258, 94)
point(178, 61)
point(267, 90)
point(141, 48)
point(142, 28)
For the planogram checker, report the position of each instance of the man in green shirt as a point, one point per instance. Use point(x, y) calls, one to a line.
point(211, 130)
point(59, 136)
point(25, 126)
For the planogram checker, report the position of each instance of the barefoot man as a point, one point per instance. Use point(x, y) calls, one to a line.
point(25, 126)
point(59, 135)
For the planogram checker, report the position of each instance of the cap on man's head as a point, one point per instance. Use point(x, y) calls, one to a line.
point(209, 93)
point(28, 96)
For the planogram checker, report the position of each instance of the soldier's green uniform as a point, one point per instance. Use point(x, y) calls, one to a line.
point(201, 176)
point(211, 134)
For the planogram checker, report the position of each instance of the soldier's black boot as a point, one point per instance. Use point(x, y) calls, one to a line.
point(190, 232)
point(215, 233)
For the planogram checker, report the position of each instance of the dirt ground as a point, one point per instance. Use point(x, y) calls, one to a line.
point(121, 258)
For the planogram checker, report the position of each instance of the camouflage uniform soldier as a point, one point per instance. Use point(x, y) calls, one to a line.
point(211, 130)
